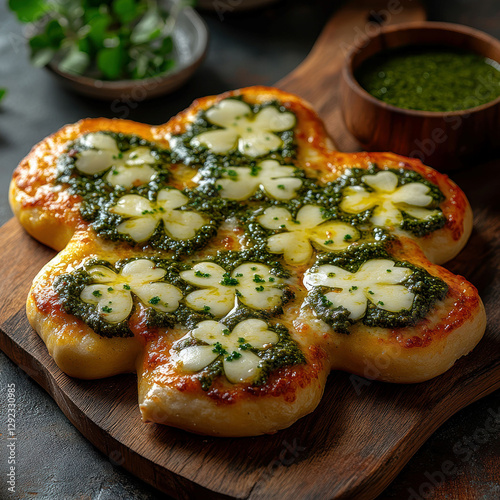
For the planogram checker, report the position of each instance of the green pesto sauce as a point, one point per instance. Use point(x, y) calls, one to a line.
point(285, 352)
point(430, 78)
point(428, 290)
point(98, 196)
point(95, 186)
point(205, 201)
point(259, 235)
point(230, 260)
point(70, 286)
point(418, 227)
point(328, 197)
point(184, 152)
point(210, 172)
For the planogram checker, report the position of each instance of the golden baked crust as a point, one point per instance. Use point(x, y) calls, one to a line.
point(51, 215)
point(46, 210)
point(75, 347)
point(175, 396)
point(404, 355)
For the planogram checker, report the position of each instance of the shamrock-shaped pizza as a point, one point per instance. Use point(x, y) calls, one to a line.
point(232, 258)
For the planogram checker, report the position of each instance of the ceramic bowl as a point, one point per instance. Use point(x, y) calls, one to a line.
point(233, 5)
point(190, 46)
point(444, 140)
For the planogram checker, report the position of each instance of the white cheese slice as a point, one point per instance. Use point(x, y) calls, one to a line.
point(195, 358)
point(387, 200)
point(258, 286)
point(143, 216)
point(243, 368)
point(269, 118)
point(228, 112)
point(377, 281)
point(217, 141)
point(253, 135)
point(140, 271)
point(130, 168)
point(307, 229)
point(252, 283)
point(277, 181)
point(113, 305)
point(101, 141)
point(239, 364)
point(384, 181)
point(113, 292)
point(218, 298)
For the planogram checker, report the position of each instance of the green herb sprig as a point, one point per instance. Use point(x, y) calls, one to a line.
point(109, 40)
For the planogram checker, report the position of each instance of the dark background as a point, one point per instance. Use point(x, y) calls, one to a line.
point(257, 47)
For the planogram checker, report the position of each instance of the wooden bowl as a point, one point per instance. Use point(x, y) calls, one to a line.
point(232, 5)
point(446, 140)
point(190, 46)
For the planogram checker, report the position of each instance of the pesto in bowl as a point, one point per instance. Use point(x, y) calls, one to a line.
point(430, 78)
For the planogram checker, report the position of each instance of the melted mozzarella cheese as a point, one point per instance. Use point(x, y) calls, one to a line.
point(142, 216)
point(387, 200)
point(309, 227)
point(130, 168)
point(253, 135)
point(112, 292)
point(277, 181)
point(252, 283)
point(239, 364)
point(377, 281)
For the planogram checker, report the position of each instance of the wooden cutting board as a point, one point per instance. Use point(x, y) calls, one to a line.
point(362, 433)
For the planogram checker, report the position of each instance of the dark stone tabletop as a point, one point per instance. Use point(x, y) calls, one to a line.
point(258, 47)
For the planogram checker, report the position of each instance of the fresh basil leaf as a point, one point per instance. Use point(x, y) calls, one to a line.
point(3, 93)
point(90, 13)
point(110, 62)
point(28, 11)
point(55, 33)
point(42, 57)
point(39, 42)
point(121, 38)
point(167, 45)
point(75, 61)
point(126, 10)
point(98, 26)
point(141, 67)
point(84, 45)
point(154, 34)
point(147, 28)
point(166, 65)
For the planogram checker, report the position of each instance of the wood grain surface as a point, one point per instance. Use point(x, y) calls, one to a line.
point(362, 433)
